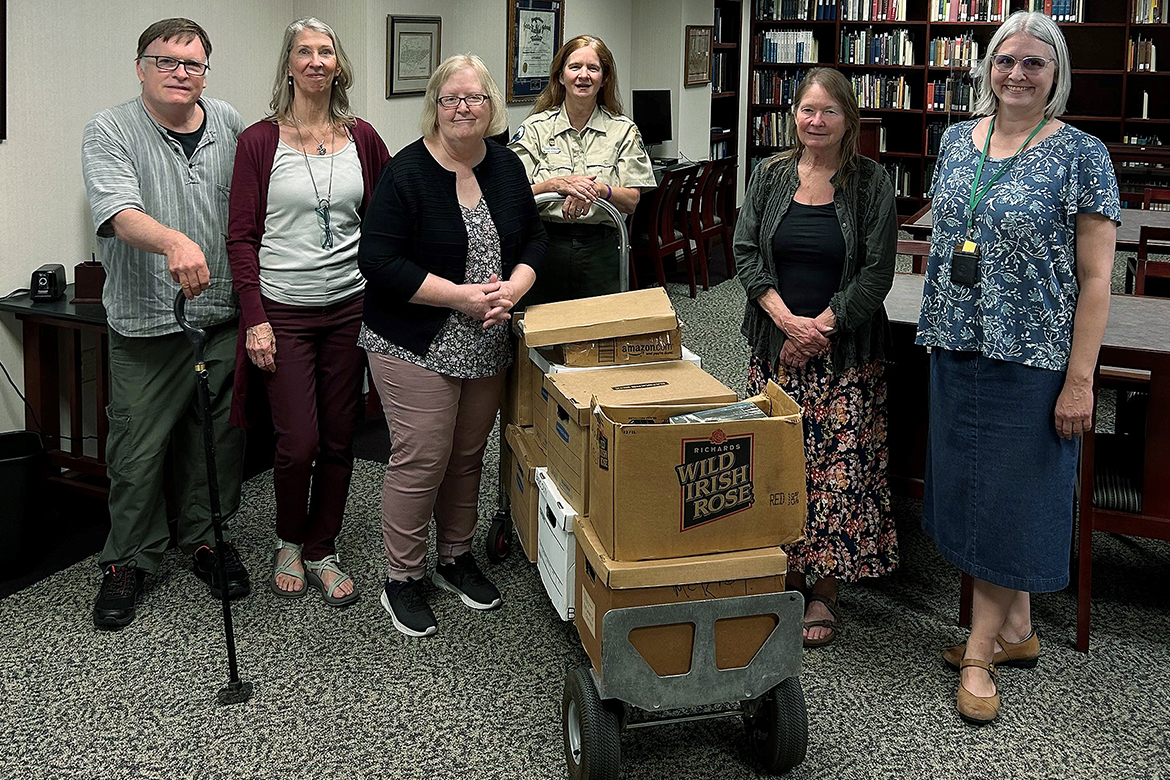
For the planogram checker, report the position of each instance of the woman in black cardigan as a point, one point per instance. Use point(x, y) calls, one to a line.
point(450, 243)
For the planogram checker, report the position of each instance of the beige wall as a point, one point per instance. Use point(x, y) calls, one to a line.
point(43, 213)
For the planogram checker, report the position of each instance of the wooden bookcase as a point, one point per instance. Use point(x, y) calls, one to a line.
point(725, 69)
point(1107, 99)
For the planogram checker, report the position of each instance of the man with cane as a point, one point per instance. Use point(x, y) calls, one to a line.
point(157, 173)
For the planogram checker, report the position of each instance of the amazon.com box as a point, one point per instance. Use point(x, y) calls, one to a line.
point(662, 490)
point(603, 584)
point(524, 457)
point(639, 326)
point(571, 394)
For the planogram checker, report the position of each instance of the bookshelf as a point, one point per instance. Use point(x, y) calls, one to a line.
point(725, 67)
point(898, 53)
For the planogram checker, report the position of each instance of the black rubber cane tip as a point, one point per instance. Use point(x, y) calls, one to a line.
point(234, 693)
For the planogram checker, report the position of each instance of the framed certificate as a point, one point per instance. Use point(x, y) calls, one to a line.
point(536, 29)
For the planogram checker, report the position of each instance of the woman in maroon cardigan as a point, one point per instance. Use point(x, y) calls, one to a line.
point(302, 179)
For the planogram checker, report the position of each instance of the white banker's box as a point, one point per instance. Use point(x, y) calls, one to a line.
point(557, 547)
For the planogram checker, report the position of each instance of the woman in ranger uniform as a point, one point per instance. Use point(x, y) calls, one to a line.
point(576, 142)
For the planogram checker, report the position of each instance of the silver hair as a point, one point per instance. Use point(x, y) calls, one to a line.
point(282, 88)
point(428, 123)
point(1042, 28)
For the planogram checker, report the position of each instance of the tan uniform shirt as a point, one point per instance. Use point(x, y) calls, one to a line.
point(608, 147)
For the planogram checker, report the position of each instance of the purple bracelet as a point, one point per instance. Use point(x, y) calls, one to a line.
point(609, 192)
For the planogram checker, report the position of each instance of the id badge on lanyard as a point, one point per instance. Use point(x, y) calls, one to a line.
point(965, 257)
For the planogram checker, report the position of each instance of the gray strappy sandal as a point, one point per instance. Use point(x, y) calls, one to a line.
point(314, 569)
point(286, 569)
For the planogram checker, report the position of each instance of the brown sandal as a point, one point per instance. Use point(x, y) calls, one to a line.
point(830, 624)
point(978, 710)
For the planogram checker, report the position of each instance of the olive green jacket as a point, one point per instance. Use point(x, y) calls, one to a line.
point(869, 223)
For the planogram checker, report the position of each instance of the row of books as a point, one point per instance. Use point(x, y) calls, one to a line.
point(873, 10)
point(788, 46)
point(881, 91)
point(1141, 140)
point(934, 134)
point(969, 10)
point(863, 47)
point(1150, 11)
point(960, 52)
point(1060, 10)
point(900, 176)
point(721, 149)
point(724, 74)
point(795, 10)
point(1142, 55)
point(949, 95)
point(773, 129)
point(775, 88)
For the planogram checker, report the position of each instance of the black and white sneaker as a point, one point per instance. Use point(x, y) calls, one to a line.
point(463, 577)
point(408, 607)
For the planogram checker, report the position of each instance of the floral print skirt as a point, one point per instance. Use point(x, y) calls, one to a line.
point(850, 531)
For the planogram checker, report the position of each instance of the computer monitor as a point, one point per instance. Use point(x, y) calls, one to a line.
point(651, 113)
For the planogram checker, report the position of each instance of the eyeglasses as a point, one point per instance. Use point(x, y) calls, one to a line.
point(1005, 63)
point(323, 223)
point(169, 64)
point(451, 101)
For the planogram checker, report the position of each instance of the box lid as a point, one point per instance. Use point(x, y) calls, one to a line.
point(773, 401)
point(558, 512)
point(691, 570)
point(600, 317)
point(671, 383)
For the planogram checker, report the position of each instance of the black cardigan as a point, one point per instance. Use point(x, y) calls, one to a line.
point(413, 227)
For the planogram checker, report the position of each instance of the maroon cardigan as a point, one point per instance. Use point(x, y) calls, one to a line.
point(247, 208)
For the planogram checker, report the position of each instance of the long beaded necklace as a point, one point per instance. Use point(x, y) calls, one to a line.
point(322, 209)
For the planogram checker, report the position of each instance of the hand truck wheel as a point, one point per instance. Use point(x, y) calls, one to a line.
point(499, 537)
point(592, 731)
point(777, 726)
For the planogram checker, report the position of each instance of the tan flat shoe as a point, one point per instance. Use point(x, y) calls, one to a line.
point(978, 710)
point(1023, 654)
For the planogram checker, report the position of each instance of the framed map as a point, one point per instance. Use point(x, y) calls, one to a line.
point(412, 53)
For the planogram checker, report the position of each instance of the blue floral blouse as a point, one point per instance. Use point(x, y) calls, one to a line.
point(1022, 305)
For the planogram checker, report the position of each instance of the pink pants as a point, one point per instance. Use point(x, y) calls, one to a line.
point(438, 431)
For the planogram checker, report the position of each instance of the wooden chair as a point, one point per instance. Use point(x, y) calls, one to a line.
point(728, 212)
point(705, 220)
point(919, 252)
point(1156, 199)
point(665, 235)
point(1125, 477)
point(1147, 268)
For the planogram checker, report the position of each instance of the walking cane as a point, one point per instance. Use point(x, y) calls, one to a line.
point(237, 690)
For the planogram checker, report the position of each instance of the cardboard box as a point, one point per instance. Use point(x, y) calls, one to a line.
point(572, 392)
point(604, 584)
point(524, 457)
point(598, 318)
point(557, 551)
point(620, 351)
point(517, 402)
point(543, 365)
point(658, 490)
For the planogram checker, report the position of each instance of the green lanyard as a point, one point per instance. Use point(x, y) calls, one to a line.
point(976, 193)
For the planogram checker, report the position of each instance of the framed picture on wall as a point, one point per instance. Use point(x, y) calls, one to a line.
point(3, 69)
point(536, 29)
point(413, 51)
point(699, 39)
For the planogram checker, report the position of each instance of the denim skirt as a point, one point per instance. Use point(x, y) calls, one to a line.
point(999, 488)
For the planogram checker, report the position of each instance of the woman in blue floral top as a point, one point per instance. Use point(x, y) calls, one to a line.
point(1014, 308)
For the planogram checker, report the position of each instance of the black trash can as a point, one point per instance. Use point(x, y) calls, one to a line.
point(21, 496)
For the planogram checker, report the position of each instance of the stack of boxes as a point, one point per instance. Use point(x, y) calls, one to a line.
point(622, 507)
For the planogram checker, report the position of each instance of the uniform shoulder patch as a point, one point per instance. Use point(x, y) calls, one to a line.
point(519, 135)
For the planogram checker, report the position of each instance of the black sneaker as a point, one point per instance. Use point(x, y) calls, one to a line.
point(407, 605)
point(121, 588)
point(463, 577)
point(207, 569)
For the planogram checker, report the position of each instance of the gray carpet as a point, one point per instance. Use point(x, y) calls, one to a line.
point(343, 692)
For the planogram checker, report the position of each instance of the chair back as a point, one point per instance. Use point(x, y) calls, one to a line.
point(1156, 199)
point(705, 215)
point(665, 208)
point(1147, 268)
point(725, 193)
point(919, 252)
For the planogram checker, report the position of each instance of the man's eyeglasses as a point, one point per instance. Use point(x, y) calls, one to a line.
point(323, 223)
point(168, 64)
point(1005, 63)
point(451, 101)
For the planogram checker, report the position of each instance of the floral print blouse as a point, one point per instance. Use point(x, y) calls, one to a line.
point(1022, 305)
point(463, 349)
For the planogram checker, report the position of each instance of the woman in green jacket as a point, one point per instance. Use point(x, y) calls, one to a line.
point(815, 246)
